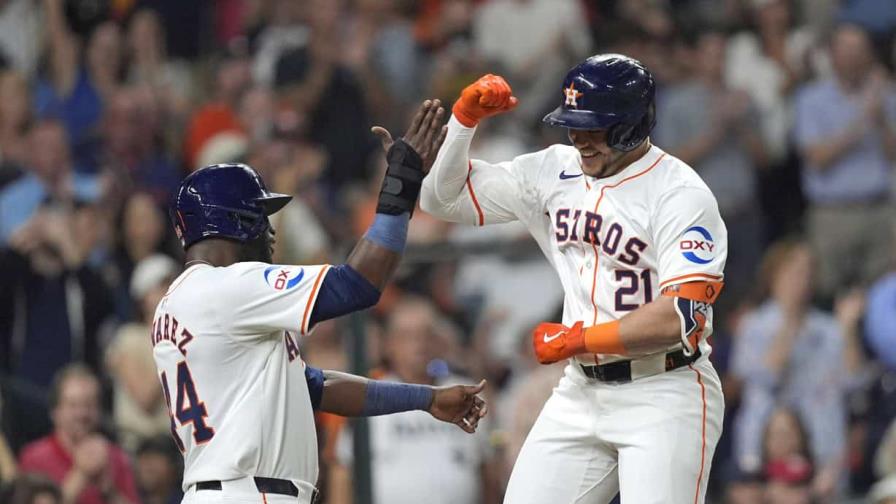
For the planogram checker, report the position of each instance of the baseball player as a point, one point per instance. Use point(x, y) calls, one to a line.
point(639, 246)
point(226, 335)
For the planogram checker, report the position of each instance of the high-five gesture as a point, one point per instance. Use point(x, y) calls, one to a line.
point(425, 134)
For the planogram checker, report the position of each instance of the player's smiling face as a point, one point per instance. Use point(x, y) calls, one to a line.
point(598, 158)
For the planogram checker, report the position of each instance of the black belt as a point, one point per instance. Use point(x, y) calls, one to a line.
point(264, 485)
point(621, 371)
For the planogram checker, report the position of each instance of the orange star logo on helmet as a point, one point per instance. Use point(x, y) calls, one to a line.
point(572, 95)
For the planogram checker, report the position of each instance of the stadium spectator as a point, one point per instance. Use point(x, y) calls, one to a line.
point(327, 97)
point(787, 352)
point(50, 176)
point(530, 385)
point(94, 127)
point(139, 411)
point(413, 458)
point(142, 231)
point(59, 303)
point(844, 130)
point(132, 146)
point(715, 129)
point(79, 78)
point(219, 115)
point(787, 465)
point(88, 468)
point(148, 64)
point(768, 62)
point(157, 469)
point(32, 489)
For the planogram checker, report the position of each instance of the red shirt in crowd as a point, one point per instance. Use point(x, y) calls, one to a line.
point(47, 456)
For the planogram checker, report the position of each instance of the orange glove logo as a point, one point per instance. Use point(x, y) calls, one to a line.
point(556, 342)
point(488, 96)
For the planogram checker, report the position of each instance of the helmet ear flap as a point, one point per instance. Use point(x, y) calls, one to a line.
point(626, 137)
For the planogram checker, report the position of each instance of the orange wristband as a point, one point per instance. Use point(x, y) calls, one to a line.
point(604, 338)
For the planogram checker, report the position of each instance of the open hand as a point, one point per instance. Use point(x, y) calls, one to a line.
point(425, 134)
point(460, 405)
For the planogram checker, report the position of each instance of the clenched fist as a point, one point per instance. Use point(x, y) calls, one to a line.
point(488, 96)
point(556, 342)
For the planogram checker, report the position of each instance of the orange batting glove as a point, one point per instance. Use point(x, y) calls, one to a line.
point(488, 96)
point(556, 342)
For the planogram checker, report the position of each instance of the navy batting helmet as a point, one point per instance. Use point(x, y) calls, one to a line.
point(223, 201)
point(612, 92)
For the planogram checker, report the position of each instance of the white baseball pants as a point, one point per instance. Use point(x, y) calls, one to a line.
point(651, 439)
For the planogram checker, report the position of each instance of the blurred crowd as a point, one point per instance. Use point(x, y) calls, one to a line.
point(786, 108)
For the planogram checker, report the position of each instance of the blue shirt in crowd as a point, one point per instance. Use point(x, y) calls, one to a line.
point(812, 383)
point(20, 199)
point(860, 175)
point(80, 111)
point(880, 320)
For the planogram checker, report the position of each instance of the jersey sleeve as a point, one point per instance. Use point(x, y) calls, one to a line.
point(467, 191)
point(690, 237)
point(269, 297)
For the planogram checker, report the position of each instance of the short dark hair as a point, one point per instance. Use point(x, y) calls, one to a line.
point(73, 370)
point(160, 445)
point(26, 487)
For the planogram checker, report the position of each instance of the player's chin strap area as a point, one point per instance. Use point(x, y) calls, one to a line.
point(693, 304)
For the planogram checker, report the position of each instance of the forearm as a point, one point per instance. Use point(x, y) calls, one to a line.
point(61, 44)
point(778, 353)
point(343, 394)
point(444, 193)
point(650, 328)
point(694, 151)
point(72, 486)
point(377, 255)
point(824, 153)
point(350, 395)
point(853, 355)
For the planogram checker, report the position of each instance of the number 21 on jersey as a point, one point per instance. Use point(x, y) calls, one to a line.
point(188, 408)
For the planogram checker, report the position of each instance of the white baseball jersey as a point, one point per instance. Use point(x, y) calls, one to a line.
point(615, 242)
point(225, 342)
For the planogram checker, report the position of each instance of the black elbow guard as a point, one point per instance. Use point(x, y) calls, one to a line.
point(401, 185)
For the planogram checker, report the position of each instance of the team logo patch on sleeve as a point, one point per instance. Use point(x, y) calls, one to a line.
point(697, 245)
point(283, 277)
